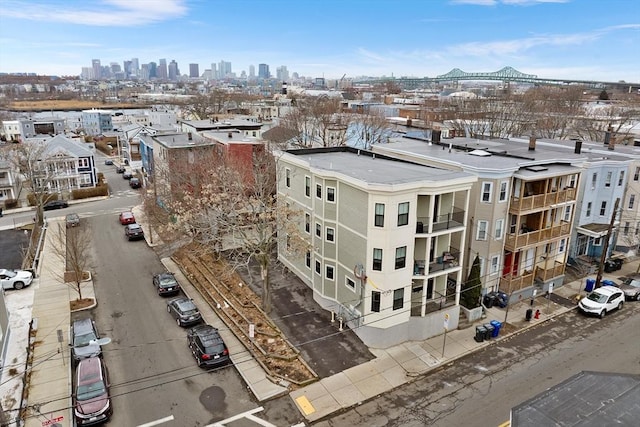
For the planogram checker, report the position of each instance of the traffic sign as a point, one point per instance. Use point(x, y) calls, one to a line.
point(446, 321)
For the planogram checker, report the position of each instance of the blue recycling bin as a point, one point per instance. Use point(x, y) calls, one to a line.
point(496, 327)
point(607, 282)
point(591, 283)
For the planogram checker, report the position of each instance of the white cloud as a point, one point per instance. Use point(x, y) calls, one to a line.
point(106, 13)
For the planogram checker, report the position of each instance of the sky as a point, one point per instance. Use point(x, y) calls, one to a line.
point(577, 39)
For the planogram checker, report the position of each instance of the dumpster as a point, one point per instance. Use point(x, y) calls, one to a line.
point(591, 283)
point(607, 282)
point(528, 315)
point(481, 331)
point(489, 327)
point(496, 327)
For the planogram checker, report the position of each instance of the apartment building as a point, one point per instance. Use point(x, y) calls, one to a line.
point(8, 182)
point(70, 165)
point(95, 122)
point(21, 129)
point(521, 207)
point(387, 239)
point(628, 237)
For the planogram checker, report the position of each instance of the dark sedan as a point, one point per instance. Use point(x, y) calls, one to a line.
point(55, 204)
point(133, 232)
point(166, 284)
point(184, 311)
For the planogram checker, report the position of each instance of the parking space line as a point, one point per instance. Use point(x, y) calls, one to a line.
point(157, 422)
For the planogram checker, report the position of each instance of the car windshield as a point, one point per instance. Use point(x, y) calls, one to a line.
point(11, 273)
point(597, 297)
point(84, 339)
point(89, 391)
point(633, 282)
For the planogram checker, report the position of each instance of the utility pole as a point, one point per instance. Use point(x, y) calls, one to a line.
point(605, 246)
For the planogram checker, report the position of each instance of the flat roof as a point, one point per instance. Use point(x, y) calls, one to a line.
point(181, 140)
point(370, 168)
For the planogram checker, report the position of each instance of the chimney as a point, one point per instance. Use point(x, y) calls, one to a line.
point(230, 135)
point(190, 136)
point(435, 135)
point(532, 143)
point(409, 122)
point(578, 148)
point(612, 142)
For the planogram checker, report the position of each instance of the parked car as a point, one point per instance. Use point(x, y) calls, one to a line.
point(631, 287)
point(601, 301)
point(126, 218)
point(133, 232)
point(135, 183)
point(15, 279)
point(184, 311)
point(72, 220)
point(83, 332)
point(108, 162)
point(55, 204)
point(207, 346)
point(166, 284)
point(127, 174)
point(92, 401)
point(120, 169)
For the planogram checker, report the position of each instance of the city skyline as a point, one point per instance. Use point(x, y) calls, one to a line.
point(580, 39)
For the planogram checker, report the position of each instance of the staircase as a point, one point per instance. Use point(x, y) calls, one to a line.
point(463, 322)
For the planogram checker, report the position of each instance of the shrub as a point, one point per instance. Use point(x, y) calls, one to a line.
point(10, 203)
point(31, 198)
point(83, 193)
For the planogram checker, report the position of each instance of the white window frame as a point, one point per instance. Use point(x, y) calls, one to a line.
point(567, 213)
point(287, 177)
point(499, 229)
point(331, 199)
point(494, 267)
point(327, 269)
point(333, 234)
point(504, 184)
point(632, 200)
point(607, 182)
point(483, 227)
point(349, 283)
point(588, 213)
point(403, 214)
point(603, 207)
point(318, 230)
point(594, 180)
point(307, 223)
point(562, 246)
point(318, 268)
point(487, 188)
point(319, 191)
point(307, 186)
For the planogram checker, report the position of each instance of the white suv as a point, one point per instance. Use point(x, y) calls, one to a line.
point(602, 300)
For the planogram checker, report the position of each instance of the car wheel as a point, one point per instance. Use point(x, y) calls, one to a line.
point(603, 313)
point(178, 322)
point(199, 362)
point(18, 285)
point(638, 297)
point(168, 309)
point(620, 306)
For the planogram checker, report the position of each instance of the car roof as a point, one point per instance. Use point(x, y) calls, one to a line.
point(607, 290)
point(185, 304)
point(82, 325)
point(127, 213)
point(134, 225)
point(72, 215)
point(89, 369)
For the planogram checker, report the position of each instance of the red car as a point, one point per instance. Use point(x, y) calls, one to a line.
point(92, 400)
point(127, 218)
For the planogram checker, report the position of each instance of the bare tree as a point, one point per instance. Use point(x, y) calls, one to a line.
point(240, 214)
point(73, 245)
point(205, 106)
point(369, 128)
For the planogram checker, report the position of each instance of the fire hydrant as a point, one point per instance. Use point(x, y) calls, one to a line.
point(537, 315)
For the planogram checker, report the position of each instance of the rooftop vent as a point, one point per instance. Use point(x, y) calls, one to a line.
point(536, 168)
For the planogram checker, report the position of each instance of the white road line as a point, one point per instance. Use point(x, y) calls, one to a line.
point(248, 415)
point(157, 422)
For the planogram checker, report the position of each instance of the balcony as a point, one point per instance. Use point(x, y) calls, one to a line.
point(510, 283)
point(547, 274)
point(441, 222)
point(450, 259)
point(527, 237)
point(539, 201)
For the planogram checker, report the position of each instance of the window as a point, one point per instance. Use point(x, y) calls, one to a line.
point(330, 234)
point(486, 192)
point(318, 267)
point(572, 181)
point(319, 191)
point(636, 175)
point(567, 213)
point(403, 214)
point(607, 183)
point(307, 259)
point(379, 215)
point(632, 200)
point(594, 179)
point(375, 301)
point(495, 264)
point(482, 230)
point(597, 241)
point(603, 208)
point(329, 272)
point(621, 179)
point(503, 191)
point(377, 259)
point(287, 179)
point(331, 194)
point(401, 257)
point(307, 186)
point(588, 209)
point(499, 226)
point(626, 228)
point(307, 223)
point(318, 230)
point(350, 284)
point(398, 299)
point(83, 163)
point(562, 246)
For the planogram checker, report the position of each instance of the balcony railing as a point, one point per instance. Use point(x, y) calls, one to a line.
point(528, 238)
point(440, 302)
point(448, 260)
point(510, 283)
point(541, 200)
point(546, 274)
point(440, 222)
